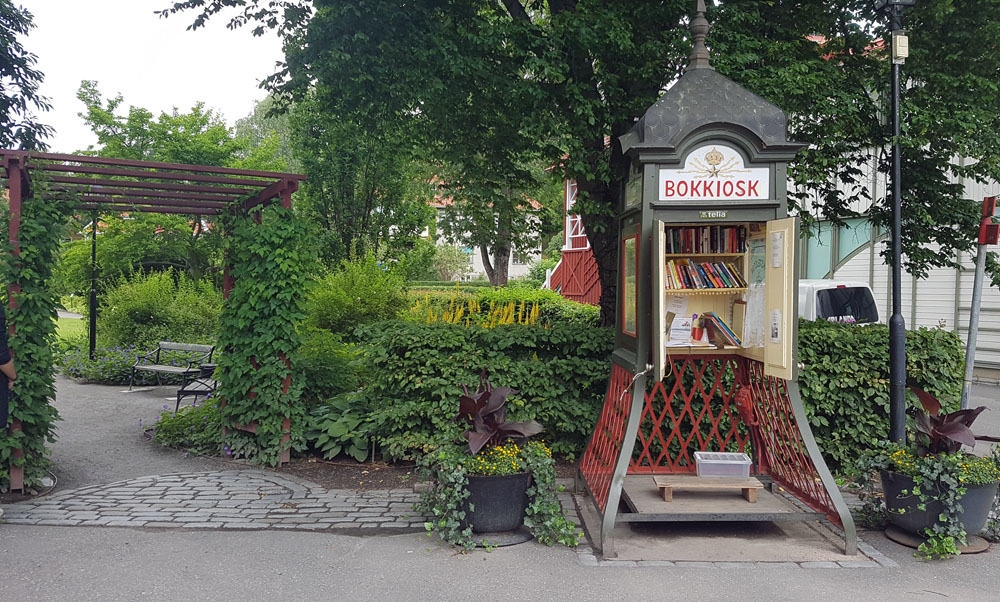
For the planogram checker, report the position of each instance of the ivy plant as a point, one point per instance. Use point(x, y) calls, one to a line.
point(33, 318)
point(258, 333)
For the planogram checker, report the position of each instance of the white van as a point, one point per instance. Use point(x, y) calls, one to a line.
point(837, 301)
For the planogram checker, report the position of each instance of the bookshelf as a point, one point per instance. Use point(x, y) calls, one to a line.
point(701, 273)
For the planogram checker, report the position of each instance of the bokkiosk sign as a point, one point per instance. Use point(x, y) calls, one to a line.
point(714, 172)
point(705, 343)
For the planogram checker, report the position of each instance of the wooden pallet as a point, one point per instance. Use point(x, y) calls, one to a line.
point(748, 486)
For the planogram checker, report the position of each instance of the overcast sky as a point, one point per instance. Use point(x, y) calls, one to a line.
point(152, 62)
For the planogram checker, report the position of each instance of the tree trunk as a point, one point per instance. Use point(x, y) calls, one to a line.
point(601, 223)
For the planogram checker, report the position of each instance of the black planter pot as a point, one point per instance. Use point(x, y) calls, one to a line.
point(976, 505)
point(499, 502)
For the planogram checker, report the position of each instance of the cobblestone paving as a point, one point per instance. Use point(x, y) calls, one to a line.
point(239, 499)
point(250, 499)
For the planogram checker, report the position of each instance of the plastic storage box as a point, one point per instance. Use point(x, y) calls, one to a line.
point(721, 464)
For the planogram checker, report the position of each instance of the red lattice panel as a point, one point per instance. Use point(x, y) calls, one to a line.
point(576, 277)
point(784, 452)
point(598, 463)
point(690, 410)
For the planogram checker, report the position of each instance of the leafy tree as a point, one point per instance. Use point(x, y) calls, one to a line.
point(268, 128)
point(504, 80)
point(199, 137)
point(364, 191)
point(19, 81)
point(451, 263)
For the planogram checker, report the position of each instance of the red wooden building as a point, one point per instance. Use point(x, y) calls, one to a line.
point(575, 276)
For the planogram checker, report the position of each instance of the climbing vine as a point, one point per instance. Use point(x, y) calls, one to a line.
point(258, 332)
point(34, 322)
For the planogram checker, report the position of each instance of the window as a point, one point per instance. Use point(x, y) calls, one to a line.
point(846, 304)
point(630, 284)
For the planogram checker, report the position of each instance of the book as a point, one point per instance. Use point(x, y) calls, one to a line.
point(737, 275)
point(724, 273)
point(721, 275)
point(705, 239)
point(719, 283)
point(709, 283)
point(728, 332)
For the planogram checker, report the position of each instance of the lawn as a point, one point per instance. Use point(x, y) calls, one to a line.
point(67, 328)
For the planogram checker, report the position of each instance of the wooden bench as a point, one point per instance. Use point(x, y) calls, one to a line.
point(191, 355)
point(667, 483)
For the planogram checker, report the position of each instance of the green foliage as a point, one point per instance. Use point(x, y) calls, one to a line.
point(159, 307)
point(329, 366)
point(844, 381)
point(364, 192)
point(552, 307)
point(110, 366)
point(34, 320)
point(447, 467)
point(340, 425)
point(20, 97)
point(561, 372)
point(143, 242)
point(258, 333)
point(941, 478)
point(360, 292)
point(451, 262)
point(490, 82)
point(199, 137)
point(194, 428)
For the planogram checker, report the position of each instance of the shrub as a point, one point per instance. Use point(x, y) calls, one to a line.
point(845, 381)
point(328, 366)
point(196, 428)
point(340, 425)
point(110, 366)
point(159, 307)
point(417, 369)
point(360, 292)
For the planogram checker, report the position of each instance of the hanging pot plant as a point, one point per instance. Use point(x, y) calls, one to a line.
point(496, 481)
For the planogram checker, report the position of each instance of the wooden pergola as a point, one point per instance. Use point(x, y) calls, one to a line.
point(123, 185)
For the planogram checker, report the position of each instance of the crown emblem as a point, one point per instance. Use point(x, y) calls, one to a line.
point(713, 157)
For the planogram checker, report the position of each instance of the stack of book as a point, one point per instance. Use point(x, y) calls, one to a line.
point(685, 273)
point(719, 332)
point(706, 239)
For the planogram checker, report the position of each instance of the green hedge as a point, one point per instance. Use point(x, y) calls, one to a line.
point(845, 381)
point(418, 369)
point(448, 284)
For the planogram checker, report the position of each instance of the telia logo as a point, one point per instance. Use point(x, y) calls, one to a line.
point(714, 172)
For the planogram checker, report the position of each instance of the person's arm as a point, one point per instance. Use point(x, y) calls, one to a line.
point(8, 369)
point(6, 361)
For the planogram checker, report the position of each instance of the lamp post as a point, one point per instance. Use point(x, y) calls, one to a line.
point(897, 326)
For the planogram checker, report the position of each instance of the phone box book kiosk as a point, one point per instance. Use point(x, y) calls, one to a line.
point(704, 231)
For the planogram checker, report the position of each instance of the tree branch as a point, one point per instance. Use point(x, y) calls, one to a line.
point(516, 11)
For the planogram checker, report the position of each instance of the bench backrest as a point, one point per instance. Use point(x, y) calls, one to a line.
point(185, 347)
point(189, 347)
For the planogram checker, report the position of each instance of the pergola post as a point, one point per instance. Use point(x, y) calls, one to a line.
point(16, 180)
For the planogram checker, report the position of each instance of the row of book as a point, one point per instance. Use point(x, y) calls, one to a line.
point(719, 332)
point(685, 273)
point(706, 239)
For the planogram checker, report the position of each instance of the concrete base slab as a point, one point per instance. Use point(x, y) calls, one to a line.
point(805, 541)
